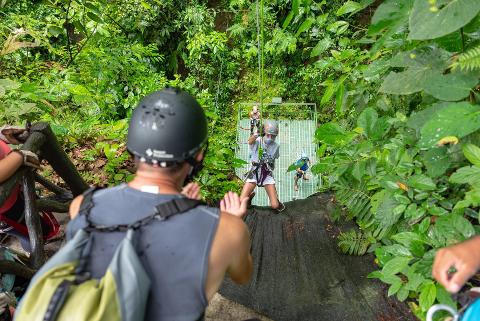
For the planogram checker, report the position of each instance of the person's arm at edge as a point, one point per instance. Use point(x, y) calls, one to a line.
point(75, 206)
point(236, 237)
point(241, 267)
point(465, 257)
point(9, 165)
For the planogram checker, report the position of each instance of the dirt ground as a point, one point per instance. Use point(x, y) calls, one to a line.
point(222, 309)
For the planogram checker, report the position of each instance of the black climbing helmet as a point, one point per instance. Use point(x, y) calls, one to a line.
point(167, 127)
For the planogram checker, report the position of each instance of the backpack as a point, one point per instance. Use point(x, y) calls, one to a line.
point(63, 289)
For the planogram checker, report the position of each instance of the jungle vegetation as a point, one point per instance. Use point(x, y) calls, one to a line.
point(396, 82)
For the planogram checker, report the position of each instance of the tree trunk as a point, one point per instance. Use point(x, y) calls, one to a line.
point(43, 141)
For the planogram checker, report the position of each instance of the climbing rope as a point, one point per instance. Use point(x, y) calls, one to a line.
point(218, 86)
point(219, 82)
point(259, 15)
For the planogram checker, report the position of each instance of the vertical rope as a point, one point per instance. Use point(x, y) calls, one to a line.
point(259, 14)
point(218, 86)
point(262, 57)
point(219, 80)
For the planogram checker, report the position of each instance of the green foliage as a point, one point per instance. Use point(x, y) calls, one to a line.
point(353, 243)
point(469, 60)
point(406, 127)
point(397, 98)
point(427, 16)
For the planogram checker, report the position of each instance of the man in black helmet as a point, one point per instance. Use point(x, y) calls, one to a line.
point(186, 255)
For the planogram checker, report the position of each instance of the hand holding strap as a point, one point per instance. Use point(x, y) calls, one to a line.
point(29, 158)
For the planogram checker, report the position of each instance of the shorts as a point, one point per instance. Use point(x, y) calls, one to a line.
point(269, 180)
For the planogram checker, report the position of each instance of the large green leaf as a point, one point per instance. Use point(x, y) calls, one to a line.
point(422, 64)
point(305, 26)
point(472, 153)
point(427, 57)
point(292, 13)
point(367, 120)
point(422, 182)
point(385, 213)
point(338, 27)
point(8, 84)
point(405, 82)
point(450, 87)
point(390, 17)
point(445, 297)
point(395, 265)
point(321, 46)
point(418, 119)
point(453, 228)
point(376, 68)
point(429, 21)
point(340, 100)
point(380, 128)
point(466, 175)
point(437, 161)
point(390, 10)
point(349, 7)
point(333, 134)
point(329, 91)
point(457, 119)
point(427, 294)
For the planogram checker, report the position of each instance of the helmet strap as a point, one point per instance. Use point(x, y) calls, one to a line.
point(196, 166)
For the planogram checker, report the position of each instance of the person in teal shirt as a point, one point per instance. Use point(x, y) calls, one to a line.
point(302, 165)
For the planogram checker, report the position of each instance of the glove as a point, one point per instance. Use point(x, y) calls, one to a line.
point(13, 134)
point(29, 158)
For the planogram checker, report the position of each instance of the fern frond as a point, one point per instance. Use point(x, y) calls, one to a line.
point(469, 60)
point(355, 199)
point(353, 242)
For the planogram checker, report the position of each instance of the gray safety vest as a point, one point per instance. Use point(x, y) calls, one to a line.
point(174, 252)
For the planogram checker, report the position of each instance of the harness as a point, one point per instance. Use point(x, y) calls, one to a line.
point(261, 169)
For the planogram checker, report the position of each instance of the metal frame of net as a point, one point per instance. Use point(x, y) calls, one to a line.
point(297, 124)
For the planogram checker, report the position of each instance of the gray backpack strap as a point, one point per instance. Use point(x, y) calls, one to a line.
point(87, 203)
point(176, 206)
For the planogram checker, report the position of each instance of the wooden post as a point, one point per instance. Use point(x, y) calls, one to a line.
point(32, 220)
point(42, 140)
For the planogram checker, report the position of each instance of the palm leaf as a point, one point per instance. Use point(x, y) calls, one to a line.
point(355, 199)
point(469, 60)
point(353, 242)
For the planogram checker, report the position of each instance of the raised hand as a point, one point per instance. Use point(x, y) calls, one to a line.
point(192, 190)
point(232, 204)
point(13, 134)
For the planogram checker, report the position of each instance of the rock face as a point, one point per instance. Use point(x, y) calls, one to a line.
point(300, 275)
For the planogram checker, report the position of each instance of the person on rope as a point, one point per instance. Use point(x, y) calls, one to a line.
point(12, 210)
point(263, 153)
point(186, 256)
point(254, 116)
point(302, 165)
